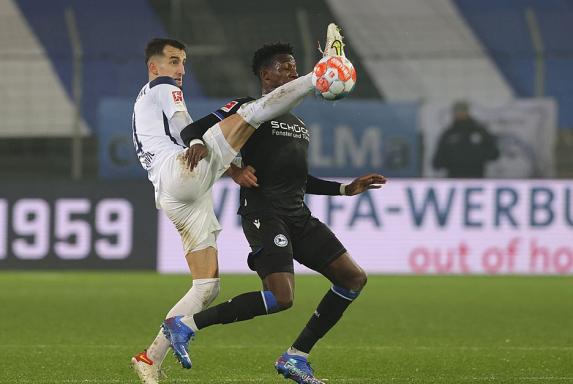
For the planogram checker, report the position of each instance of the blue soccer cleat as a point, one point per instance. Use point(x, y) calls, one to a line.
point(296, 368)
point(178, 335)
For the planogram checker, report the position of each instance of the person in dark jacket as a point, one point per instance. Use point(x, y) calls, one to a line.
point(465, 146)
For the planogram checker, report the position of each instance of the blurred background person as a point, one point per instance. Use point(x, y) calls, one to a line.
point(465, 146)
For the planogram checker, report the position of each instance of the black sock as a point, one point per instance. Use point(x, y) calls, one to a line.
point(239, 308)
point(329, 311)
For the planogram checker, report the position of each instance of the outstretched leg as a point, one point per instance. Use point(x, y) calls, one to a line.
point(239, 127)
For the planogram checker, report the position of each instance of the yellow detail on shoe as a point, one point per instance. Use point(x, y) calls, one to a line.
point(337, 45)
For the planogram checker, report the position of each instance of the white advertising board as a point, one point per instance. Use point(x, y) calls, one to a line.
point(526, 130)
point(422, 227)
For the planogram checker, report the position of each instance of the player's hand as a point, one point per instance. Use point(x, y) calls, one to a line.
point(245, 177)
point(194, 154)
point(364, 183)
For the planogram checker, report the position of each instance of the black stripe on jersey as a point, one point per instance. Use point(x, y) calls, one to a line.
point(167, 131)
point(138, 146)
point(197, 129)
point(230, 108)
point(219, 115)
point(163, 80)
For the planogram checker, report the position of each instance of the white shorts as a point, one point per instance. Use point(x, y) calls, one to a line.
point(185, 196)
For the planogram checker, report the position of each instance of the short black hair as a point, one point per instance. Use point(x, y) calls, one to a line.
point(156, 46)
point(264, 55)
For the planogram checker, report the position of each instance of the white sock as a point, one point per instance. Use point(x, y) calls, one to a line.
point(158, 349)
point(294, 351)
point(277, 102)
point(190, 322)
point(201, 294)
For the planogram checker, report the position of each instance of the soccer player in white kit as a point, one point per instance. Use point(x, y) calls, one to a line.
point(160, 114)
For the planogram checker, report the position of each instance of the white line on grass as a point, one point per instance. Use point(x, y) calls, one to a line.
point(361, 347)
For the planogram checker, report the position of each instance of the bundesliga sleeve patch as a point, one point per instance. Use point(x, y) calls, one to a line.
point(177, 96)
point(227, 107)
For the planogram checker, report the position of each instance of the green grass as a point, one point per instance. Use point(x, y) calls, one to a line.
point(84, 327)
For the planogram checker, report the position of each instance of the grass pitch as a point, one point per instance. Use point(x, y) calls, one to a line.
point(83, 328)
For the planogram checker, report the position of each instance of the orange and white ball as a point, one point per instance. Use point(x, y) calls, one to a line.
point(334, 77)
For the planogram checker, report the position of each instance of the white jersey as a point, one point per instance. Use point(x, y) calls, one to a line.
point(155, 135)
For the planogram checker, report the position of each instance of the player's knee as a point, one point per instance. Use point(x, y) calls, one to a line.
point(357, 280)
point(285, 300)
point(363, 279)
point(285, 304)
point(207, 290)
point(282, 287)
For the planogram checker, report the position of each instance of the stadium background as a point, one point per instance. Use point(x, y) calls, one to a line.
point(74, 198)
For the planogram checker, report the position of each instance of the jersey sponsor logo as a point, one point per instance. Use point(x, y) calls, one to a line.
point(227, 107)
point(257, 223)
point(294, 131)
point(177, 96)
point(289, 127)
point(281, 240)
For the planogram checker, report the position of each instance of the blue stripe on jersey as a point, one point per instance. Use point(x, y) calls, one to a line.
point(219, 115)
point(167, 131)
point(163, 80)
point(138, 146)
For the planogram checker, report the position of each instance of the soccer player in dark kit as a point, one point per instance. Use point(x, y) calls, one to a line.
point(278, 225)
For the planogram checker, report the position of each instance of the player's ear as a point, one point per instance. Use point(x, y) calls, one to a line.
point(152, 67)
point(264, 75)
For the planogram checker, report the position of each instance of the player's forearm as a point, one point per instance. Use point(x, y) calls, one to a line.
point(191, 132)
point(316, 186)
point(197, 129)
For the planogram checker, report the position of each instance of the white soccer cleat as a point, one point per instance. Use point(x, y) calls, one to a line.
point(145, 368)
point(334, 45)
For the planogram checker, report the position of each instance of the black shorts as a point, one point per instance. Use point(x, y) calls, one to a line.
point(277, 240)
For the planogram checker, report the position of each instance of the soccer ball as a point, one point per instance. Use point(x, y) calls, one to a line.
point(334, 77)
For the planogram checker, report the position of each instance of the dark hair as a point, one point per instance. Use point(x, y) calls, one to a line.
point(155, 47)
point(264, 55)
